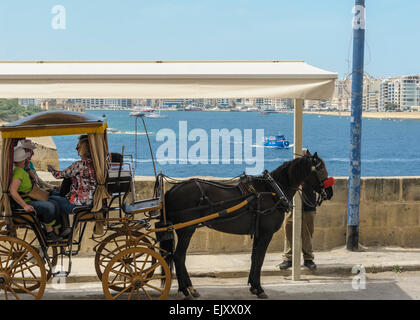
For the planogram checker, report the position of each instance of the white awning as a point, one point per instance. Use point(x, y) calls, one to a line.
point(165, 79)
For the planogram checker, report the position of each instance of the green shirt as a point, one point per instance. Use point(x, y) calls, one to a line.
point(23, 176)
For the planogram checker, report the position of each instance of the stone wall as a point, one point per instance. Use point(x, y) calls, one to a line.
point(389, 216)
point(45, 154)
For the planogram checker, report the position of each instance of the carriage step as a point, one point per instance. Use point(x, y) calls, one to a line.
point(59, 243)
point(61, 274)
point(143, 206)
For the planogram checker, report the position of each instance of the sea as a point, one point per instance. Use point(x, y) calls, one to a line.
point(184, 143)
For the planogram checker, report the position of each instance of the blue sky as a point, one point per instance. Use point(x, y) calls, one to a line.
point(318, 32)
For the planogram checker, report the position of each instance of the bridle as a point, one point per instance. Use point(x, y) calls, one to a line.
point(317, 166)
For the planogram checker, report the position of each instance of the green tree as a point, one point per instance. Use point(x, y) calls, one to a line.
point(391, 106)
point(11, 110)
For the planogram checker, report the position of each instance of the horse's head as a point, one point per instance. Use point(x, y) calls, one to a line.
point(318, 178)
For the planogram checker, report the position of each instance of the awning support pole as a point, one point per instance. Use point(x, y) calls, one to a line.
point(297, 203)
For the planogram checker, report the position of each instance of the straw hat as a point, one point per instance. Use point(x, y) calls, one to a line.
point(26, 144)
point(20, 154)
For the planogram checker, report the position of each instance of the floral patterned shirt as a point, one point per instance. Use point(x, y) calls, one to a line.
point(83, 184)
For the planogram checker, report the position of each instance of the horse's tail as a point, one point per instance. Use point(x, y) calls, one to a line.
point(167, 243)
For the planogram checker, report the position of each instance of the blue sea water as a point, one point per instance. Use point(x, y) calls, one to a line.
point(389, 147)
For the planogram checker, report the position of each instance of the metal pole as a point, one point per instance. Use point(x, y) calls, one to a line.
point(356, 125)
point(150, 147)
point(297, 203)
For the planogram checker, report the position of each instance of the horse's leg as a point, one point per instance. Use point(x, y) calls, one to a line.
point(184, 282)
point(259, 249)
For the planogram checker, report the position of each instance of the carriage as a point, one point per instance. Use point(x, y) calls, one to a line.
point(127, 255)
point(128, 259)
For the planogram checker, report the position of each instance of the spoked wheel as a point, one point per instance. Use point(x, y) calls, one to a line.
point(133, 270)
point(52, 252)
point(22, 271)
point(114, 244)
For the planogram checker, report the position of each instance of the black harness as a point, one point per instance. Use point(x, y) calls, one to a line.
point(246, 189)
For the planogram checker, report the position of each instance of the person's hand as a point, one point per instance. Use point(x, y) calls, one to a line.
point(28, 208)
point(50, 168)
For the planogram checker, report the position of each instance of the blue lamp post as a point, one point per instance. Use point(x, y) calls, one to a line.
point(359, 25)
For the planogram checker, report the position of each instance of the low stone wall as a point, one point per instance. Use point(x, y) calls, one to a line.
point(389, 216)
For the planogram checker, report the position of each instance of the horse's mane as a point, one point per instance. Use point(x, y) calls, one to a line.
point(293, 172)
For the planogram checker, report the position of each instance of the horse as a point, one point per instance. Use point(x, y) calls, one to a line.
point(261, 218)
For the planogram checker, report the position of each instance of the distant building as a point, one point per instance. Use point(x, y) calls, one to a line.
point(341, 100)
point(61, 104)
point(410, 92)
point(371, 89)
point(26, 102)
point(402, 92)
point(173, 103)
point(224, 102)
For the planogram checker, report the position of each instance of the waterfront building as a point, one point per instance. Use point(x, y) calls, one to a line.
point(26, 102)
point(173, 103)
point(210, 102)
point(409, 92)
point(223, 102)
point(61, 104)
point(341, 100)
point(371, 88)
point(402, 92)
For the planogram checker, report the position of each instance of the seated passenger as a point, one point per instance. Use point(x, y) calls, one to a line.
point(21, 185)
point(29, 147)
point(82, 174)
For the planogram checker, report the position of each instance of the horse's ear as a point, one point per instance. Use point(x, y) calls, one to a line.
point(316, 155)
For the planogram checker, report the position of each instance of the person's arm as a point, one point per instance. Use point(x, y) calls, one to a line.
point(13, 189)
point(66, 173)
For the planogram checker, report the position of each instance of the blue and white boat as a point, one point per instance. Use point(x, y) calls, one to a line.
point(278, 141)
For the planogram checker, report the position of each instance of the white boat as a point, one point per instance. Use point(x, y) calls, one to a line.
point(251, 109)
point(138, 111)
point(155, 115)
point(192, 108)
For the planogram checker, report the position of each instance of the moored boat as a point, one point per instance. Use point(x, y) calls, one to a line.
point(192, 108)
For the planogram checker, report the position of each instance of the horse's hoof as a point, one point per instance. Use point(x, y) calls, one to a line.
point(262, 295)
point(193, 292)
point(189, 297)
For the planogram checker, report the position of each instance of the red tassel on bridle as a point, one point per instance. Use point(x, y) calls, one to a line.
point(328, 182)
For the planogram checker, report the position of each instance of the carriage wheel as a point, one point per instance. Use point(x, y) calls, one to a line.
point(52, 252)
point(22, 271)
point(3, 227)
point(114, 244)
point(134, 270)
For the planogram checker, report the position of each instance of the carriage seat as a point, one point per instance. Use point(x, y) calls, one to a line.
point(83, 213)
point(81, 209)
point(20, 216)
point(142, 206)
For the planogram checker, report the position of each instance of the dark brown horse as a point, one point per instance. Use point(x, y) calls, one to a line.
point(262, 217)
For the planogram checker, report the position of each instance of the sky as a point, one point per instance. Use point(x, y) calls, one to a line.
point(318, 32)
